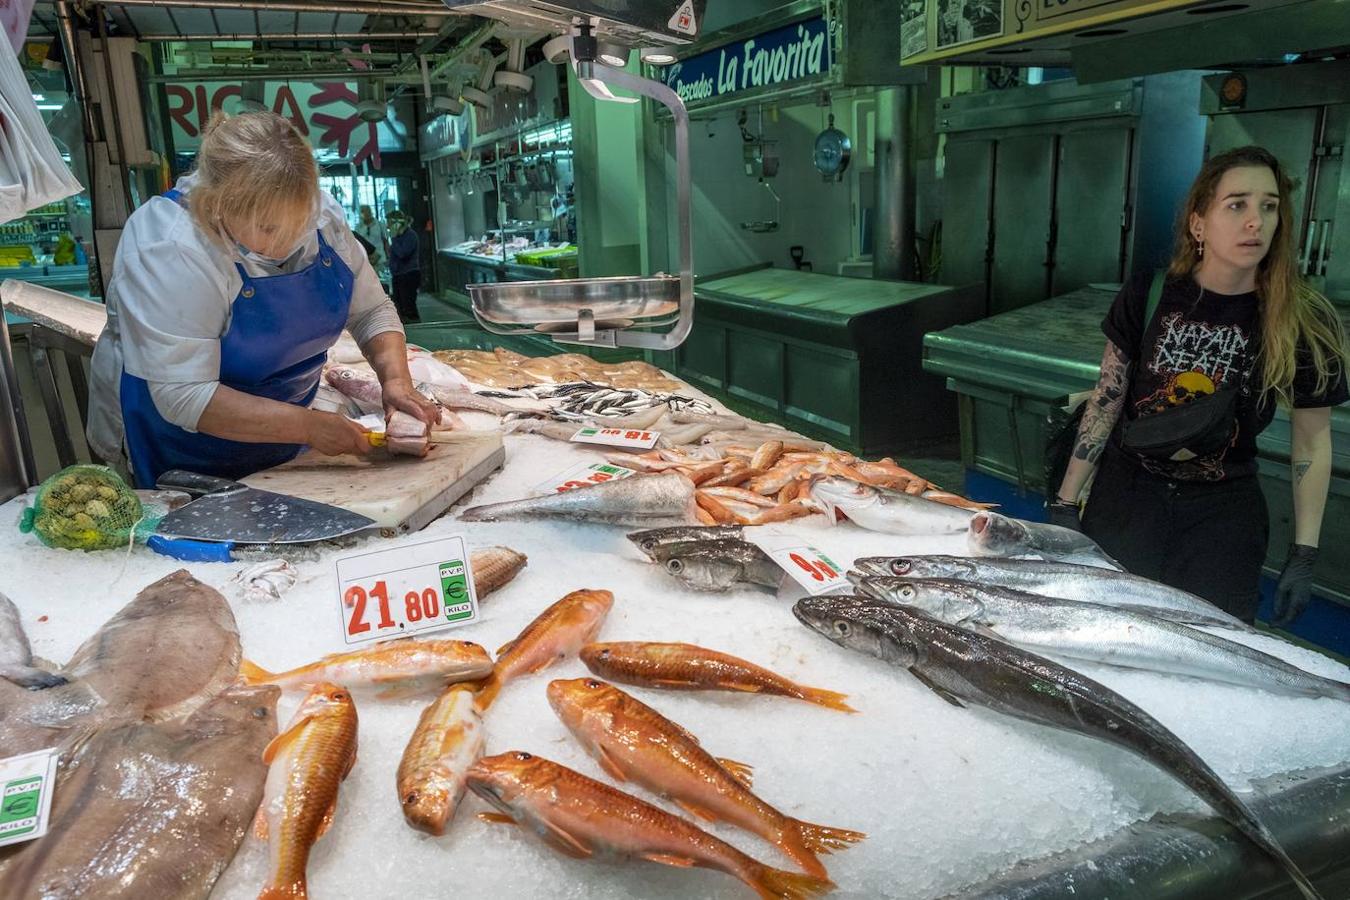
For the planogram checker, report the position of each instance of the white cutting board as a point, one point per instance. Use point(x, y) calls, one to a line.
point(401, 493)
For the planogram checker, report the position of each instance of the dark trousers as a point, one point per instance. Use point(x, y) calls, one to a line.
point(1208, 538)
point(405, 295)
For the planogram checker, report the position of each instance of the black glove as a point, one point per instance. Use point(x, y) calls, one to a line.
point(1295, 588)
point(1064, 514)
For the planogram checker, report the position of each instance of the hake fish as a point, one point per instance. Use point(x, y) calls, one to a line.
point(494, 568)
point(891, 512)
point(686, 667)
point(633, 742)
point(1066, 581)
point(1102, 634)
point(16, 656)
point(719, 565)
point(991, 534)
point(962, 666)
point(148, 809)
point(555, 634)
point(449, 738)
point(642, 500)
point(647, 541)
point(585, 819)
point(400, 663)
point(309, 761)
point(160, 657)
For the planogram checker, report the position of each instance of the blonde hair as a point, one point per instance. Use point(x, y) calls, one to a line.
point(1292, 312)
point(255, 167)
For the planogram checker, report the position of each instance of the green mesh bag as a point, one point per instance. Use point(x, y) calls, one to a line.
point(84, 508)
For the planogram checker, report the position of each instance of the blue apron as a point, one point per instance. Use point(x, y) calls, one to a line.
point(281, 328)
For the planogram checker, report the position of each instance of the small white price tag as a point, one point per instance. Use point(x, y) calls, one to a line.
point(630, 438)
point(582, 475)
point(26, 795)
point(813, 570)
point(407, 589)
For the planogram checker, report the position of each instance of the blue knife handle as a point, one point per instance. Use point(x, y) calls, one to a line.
point(192, 551)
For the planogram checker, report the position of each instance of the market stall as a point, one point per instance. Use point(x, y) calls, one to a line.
point(948, 797)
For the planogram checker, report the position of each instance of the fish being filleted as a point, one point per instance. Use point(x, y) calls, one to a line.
point(1102, 634)
point(888, 511)
point(400, 663)
point(494, 568)
point(146, 809)
point(719, 565)
point(586, 819)
point(1066, 581)
point(642, 500)
point(634, 742)
point(991, 534)
point(555, 634)
point(448, 739)
point(16, 656)
point(134, 667)
point(686, 667)
point(647, 541)
point(308, 763)
point(963, 666)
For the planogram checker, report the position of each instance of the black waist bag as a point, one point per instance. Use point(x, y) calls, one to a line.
point(1202, 427)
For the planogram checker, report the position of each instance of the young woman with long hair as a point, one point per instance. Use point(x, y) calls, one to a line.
point(1197, 358)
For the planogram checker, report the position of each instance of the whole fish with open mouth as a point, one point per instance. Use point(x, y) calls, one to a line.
point(642, 500)
point(647, 541)
point(963, 666)
point(555, 634)
point(587, 819)
point(16, 656)
point(406, 663)
point(308, 763)
point(1066, 581)
point(449, 738)
point(891, 512)
point(686, 667)
point(163, 655)
point(634, 742)
point(145, 809)
point(719, 565)
point(991, 534)
point(1102, 634)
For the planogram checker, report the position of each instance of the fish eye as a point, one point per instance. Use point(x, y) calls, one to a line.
point(907, 591)
point(901, 567)
point(339, 695)
point(259, 712)
point(523, 756)
point(674, 566)
point(842, 628)
point(604, 654)
point(593, 684)
point(411, 798)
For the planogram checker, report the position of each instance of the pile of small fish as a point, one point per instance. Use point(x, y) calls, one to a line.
point(501, 368)
point(970, 629)
point(583, 401)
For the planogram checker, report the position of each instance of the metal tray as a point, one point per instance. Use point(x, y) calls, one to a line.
point(561, 301)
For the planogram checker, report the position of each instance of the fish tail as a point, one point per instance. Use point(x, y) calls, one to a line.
point(776, 884)
point(822, 697)
point(251, 673)
point(31, 677)
point(488, 692)
point(824, 839)
point(1261, 837)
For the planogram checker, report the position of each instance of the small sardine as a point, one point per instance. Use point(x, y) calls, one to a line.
point(556, 633)
point(686, 667)
point(401, 663)
point(309, 761)
point(449, 738)
point(583, 818)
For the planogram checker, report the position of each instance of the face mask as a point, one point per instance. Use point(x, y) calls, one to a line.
point(253, 256)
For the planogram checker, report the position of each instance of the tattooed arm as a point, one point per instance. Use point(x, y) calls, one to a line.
point(1099, 418)
point(1310, 463)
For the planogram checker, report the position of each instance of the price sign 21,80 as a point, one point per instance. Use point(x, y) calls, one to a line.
point(405, 590)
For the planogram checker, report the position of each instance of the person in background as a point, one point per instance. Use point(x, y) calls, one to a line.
point(405, 265)
point(225, 297)
point(64, 254)
point(372, 230)
point(1230, 314)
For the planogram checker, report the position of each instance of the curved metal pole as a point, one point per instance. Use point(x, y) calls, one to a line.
point(671, 101)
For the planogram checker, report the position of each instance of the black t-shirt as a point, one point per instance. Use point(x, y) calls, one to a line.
point(1199, 341)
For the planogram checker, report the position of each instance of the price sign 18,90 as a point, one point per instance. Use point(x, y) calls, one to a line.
point(404, 590)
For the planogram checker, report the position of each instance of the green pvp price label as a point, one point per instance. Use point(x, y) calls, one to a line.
point(455, 590)
point(25, 796)
point(19, 809)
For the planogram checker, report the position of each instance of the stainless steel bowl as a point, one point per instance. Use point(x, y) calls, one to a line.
point(561, 301)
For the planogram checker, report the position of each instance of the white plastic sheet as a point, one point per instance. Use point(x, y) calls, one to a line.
point(32, 173)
